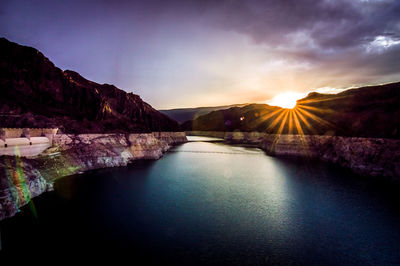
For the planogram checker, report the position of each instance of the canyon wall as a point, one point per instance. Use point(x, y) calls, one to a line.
point(23, 178)
point(364, 156)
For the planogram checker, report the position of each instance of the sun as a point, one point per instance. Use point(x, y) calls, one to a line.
point(286, 100)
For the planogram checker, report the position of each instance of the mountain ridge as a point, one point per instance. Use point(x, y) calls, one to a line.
point(369, 111)
point(184, 114)
point(42, 95)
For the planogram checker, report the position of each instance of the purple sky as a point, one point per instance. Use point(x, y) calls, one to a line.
point(201, 53)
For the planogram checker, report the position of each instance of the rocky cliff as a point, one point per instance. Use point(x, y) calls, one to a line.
point(37, 94)
point(23, 179)
point(365, 156)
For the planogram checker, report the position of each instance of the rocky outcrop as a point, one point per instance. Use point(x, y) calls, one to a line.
point(365, 156)
point(171, 137)
point(23, 179)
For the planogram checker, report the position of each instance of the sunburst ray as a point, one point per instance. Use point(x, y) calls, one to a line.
point(283, 123)
point(316, 109)
point(305, 121)
point(290, 121)
point(263, 118)
point(316, 118)
point(297, 123)
point(277, 120)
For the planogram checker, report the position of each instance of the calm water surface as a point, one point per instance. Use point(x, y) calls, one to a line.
point(212, 203)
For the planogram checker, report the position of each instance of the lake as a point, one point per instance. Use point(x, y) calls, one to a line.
point(207, 202)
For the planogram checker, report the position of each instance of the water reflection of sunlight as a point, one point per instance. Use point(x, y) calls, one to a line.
point(277, 199)
point(255, 182)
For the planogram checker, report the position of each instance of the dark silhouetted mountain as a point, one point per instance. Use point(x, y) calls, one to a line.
point(184, 114)
point(35, 93)
point(372, 111)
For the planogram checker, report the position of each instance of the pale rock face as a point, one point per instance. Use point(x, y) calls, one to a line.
point(62, 140)
point(171, 137)
point(366, 156)
point(146, 146)
point(72, 154)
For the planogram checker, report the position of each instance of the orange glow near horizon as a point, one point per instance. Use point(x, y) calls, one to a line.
point(286, 100)
point(297, 120)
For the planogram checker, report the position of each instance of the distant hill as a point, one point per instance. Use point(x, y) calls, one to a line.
point(372, 111)
point(35, 93)
point(184, 114)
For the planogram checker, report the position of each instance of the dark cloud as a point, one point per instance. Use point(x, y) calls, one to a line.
point(327, 33)
point(330, 24)
point(335, 33)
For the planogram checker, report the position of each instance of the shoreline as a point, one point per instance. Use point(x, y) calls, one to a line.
point(26, 178)
point(376, 157)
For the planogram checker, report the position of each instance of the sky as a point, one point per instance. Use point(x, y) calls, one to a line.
point(188, 53)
